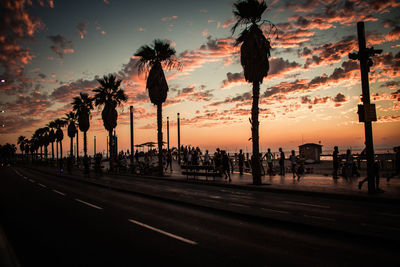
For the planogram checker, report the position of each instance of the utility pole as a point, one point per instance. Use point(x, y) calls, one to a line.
point(168, 133)
point(107, 147)
point(366, 111)
point(179, 142)
point(131, 122)
point(94, 143)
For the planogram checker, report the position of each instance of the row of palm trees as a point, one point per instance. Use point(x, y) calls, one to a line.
point(255, 52)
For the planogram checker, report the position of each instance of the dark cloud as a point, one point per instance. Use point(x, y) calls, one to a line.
point(339, 99)
point(60, 45)
point(81, 27)
point(66, 92)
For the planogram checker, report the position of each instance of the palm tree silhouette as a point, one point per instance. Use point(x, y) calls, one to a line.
point(83, 104)
point(60, 136)
point(151, 60)
point(71, 119)
point(52, 137)
point(21, 141)
point(111, 96)
point(254, 54)
point(45, 140)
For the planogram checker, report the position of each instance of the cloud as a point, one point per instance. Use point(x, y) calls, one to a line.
point(227, 23)
point(169, 18)
point(141, 29)
point(65, 93)
point(203, 10)
point(204, 32)
point(339, 99)
point(60, 45)
point(233, 79)
point(82, 26)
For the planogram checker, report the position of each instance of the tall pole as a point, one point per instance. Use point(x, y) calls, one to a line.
point(168, 133)
point(107, 147)
point(94, 146)
point(366, 112)
point(131, 121)
point(179, 141)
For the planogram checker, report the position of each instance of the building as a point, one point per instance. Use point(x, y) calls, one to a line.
point(310, 151)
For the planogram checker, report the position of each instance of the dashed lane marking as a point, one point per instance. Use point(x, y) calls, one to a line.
point(88, 204)
point(30, 180)
point(58, 192)
point(307, 204)
point(278, 211)
point(164, 232)
point(42, 185)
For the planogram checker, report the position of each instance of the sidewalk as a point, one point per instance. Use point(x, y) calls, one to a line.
point(310, 184)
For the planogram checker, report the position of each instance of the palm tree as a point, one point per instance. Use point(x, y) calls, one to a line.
point(45, 140)
point(52, 137)
point(111, 96)
point(254, 54)
point(151, 60)
point(21, 141)
point(71, 119)
point(83, 104)
point(60, 135)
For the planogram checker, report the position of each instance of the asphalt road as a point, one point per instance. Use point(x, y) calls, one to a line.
point(52, 221)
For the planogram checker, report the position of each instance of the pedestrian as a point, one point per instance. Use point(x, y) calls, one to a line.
point(206, 159)
point(282, 162)
point(241, 162)
point(335, 157)
point(376, 176)
point(86, 166)
point(293, 164)
point(169, 161)
point(268, 157)
point(225, 165)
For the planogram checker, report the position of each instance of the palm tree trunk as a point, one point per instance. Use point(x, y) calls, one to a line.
point(52, 153)
point(110, 143)
point(71, 148)
point(159, 131)
point(61, 156)
point(45, 153)
point(256, 170)
point(85, 144)
point(41, 152)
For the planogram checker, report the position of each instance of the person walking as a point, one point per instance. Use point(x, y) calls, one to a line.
point(268, 157)
point(241, 162)
point(206, 159)
point(293, 163)
point(225, 166)
point(281, 162)
point(335, 157)
point(169, 161)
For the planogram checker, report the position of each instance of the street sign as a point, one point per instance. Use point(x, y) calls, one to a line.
point(366, 113)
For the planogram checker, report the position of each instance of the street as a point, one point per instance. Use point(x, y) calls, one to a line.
point(55, 221)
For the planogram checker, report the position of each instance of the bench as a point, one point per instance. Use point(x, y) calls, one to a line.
point(199, 170)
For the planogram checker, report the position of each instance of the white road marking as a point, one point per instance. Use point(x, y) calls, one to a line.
point(317, 217)
point(58, 192)
point(278, 211)
point(42, 185)
point(307, 204)
point(89, 204)
point(164, 233)
point(30, 180)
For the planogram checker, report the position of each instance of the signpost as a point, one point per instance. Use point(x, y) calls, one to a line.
point(366, 112)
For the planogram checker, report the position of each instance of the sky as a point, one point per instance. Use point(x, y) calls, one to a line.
point(51, 50)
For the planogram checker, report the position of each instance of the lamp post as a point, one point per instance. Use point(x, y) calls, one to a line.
point(168, 133)
point(366, 112)
point(131, 122)
point(179, 141)
point(94, 143)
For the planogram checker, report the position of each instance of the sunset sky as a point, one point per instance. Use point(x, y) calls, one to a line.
point(52, 50)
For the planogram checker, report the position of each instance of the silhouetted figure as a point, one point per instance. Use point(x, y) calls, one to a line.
point(375, 172)
point(137, 156)
point(225, 165)
point(293, 164)
point(97, 163)
point(300, 170)
point(335, 157)
point(281, 162)
point(207, 158)
point(169, 161)
point(268, 157)
point(241, 162)
point(69, 164)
